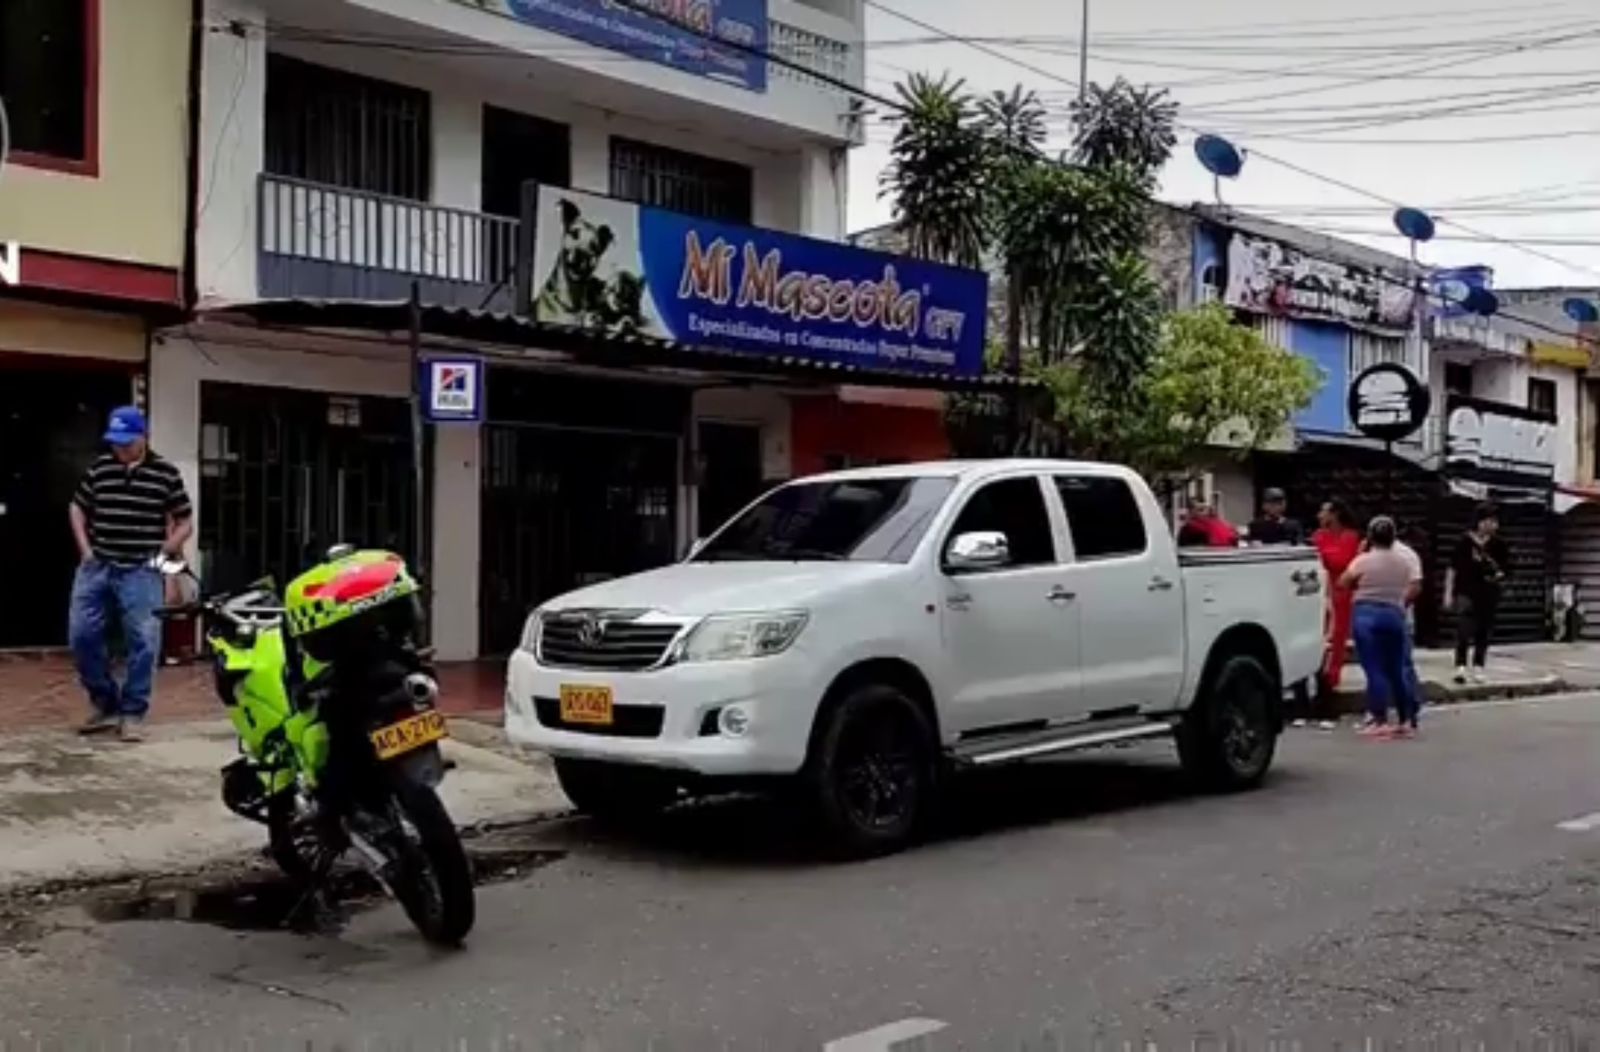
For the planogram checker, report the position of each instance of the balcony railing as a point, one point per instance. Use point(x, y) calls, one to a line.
point(821, 54)
point(326, 241)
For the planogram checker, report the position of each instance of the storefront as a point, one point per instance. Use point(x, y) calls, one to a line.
point(575, 450)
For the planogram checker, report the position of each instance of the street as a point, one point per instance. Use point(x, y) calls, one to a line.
point(1418, 889)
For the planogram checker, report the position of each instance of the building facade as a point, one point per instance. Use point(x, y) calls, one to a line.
point(359, 154)
point(94, 202)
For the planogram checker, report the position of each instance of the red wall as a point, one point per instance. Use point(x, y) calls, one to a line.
point(824, 425)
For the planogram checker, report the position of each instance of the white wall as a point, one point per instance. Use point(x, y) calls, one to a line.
point(457, 497)
point(232, 150)
point(1505, 379)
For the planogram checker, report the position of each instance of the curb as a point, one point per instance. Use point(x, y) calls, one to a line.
point(1351, 702)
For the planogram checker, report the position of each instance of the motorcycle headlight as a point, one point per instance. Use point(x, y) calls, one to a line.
point(530, 633)
point(733, 636)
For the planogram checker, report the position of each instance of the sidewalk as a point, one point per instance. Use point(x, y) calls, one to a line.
point(40, 690)
point(75, 810)
point(1520, 670)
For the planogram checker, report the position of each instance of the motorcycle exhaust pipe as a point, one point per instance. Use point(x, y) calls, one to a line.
point(423, 689)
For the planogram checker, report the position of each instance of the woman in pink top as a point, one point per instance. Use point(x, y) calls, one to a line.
point(1384, 581)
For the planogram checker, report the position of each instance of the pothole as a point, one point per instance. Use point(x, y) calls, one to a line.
point(269, 901)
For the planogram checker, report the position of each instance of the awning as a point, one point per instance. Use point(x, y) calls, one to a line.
point(513, 332)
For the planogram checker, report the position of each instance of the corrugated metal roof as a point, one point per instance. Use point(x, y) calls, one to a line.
point(514, 331)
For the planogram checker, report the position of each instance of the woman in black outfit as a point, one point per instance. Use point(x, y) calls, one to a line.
point(1472, 587)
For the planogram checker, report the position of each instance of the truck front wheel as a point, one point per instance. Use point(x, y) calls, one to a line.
point(1228, 737)
point(870, 774)
point(614, 792)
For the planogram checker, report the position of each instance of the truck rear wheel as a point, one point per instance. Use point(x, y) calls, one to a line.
point(870, 775)
point(1228, 738)
point(614, 792)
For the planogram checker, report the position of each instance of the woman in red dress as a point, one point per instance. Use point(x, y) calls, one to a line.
point(1338, 542)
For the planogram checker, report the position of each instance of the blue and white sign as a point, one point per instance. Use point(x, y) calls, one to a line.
point(615, 266)
point(720, 39)
point(452, 390)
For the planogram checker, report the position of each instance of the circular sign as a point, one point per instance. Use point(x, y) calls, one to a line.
point(1387, 402)
point(1415, 224)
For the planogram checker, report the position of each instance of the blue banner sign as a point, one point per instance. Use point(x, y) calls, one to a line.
point(720, 39)
point(611, 265)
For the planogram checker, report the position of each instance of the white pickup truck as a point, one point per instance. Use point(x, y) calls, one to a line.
point(858, 635)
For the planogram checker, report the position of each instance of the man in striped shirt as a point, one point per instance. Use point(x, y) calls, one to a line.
point(130, 507)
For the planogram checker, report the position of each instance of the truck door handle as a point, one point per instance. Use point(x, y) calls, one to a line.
point(1059, 594)
point(1160, 584)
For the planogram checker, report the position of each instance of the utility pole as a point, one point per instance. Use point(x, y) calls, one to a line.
point(1083, 54)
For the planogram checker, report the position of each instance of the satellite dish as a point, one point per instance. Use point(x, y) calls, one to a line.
point(1581, 311)
point(1481, 301)
point(1414, 223)
point(1219, 156)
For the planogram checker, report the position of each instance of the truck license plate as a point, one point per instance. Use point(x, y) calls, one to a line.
point(586, 704)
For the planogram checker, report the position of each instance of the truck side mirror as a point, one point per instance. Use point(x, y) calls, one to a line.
point(974, 552)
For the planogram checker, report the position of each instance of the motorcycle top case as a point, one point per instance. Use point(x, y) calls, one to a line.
point(352, 604)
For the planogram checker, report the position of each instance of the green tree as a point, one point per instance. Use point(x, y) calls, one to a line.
point(1124, 125)
point(1212, 382)
point(939, 172)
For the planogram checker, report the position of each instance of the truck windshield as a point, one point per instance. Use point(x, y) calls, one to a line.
point(865, 520)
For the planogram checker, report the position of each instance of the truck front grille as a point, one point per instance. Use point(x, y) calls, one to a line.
point(604, 642)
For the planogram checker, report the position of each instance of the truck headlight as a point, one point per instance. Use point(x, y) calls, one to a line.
point(530, 634)
point(732, 636)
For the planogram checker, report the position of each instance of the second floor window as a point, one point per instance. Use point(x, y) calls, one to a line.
point(47, 80)
point(680, 182)
point(1542, 396)
point(341, 129)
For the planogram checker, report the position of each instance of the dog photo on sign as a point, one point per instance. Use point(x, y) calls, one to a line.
point(585, 284)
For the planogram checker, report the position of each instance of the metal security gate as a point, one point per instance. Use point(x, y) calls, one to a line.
point(285, 474)
point(565, 507)
point(1580, 561)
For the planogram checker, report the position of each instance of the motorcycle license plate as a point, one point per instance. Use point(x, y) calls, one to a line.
point(591, 705)
point(397, 739)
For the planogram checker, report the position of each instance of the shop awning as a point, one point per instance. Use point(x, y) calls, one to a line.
point(503, 335)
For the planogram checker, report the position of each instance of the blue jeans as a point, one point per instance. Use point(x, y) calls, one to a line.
point(1383, 644)
point(101, 592)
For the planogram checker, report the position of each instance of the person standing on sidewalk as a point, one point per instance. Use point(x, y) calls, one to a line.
point(1384, 583)
point(1338, 542)
point(1472, 589)
point(130, 507)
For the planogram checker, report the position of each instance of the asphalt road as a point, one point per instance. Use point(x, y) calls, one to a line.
point(1372, 890)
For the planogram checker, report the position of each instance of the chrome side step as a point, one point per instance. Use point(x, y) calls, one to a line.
point(1065, 739)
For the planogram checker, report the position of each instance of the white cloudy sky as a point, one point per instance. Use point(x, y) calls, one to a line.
point(1509, 143)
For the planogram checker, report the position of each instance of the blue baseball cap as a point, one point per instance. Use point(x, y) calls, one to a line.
point(127, 425)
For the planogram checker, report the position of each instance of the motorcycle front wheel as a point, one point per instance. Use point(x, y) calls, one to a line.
point(431, 875)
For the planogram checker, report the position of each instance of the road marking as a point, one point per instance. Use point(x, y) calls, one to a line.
point(889, 1036)
point(1581, 825)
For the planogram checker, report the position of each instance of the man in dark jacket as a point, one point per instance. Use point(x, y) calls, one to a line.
point(1273, 527)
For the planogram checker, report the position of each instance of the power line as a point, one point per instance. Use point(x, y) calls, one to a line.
point(974, 45)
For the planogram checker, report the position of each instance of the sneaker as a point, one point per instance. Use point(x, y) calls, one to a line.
point(1479, 676)
point(1461, 675)
point(1370, 728)
point(132, 731)
point(1403, 732)
point(99, 723)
